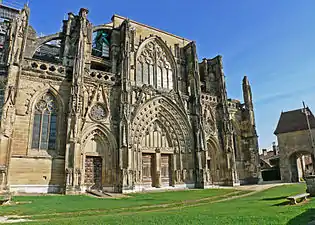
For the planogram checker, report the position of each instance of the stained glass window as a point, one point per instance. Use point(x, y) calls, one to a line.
point(45, 123)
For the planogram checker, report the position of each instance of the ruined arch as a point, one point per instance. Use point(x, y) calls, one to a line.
point(102, 27)
point(155, 65)
point(40, 42)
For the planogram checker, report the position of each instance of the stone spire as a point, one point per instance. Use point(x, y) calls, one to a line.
point(247, 93)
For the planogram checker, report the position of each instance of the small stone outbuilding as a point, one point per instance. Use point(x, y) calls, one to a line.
point(294, 142)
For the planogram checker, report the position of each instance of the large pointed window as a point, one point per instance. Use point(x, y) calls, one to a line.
point(45, 123)
point(154, 67)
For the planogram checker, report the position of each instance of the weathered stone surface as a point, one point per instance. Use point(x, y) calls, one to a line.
point(310, 182)
point(141, 113)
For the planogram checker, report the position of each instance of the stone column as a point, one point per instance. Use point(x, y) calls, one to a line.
point(3, 178)
point(174, 171)
point(158, 182)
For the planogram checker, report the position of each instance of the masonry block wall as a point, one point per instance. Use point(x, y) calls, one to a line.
point(119, 107)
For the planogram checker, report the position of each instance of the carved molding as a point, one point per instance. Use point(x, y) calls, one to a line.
point(173, 120)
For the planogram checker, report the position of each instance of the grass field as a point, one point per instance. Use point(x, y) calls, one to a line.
point(212, 206)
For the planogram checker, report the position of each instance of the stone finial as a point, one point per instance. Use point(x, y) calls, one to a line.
point(70, 15)
point(245, 80)
point(84, 12)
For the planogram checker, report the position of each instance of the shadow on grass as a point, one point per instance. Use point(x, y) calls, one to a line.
point(275, 198)
point(307, 218)
point(282, 203)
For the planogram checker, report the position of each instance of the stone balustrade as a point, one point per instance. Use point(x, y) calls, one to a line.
point(44, 67)
point(106, 77)
point(205, 98)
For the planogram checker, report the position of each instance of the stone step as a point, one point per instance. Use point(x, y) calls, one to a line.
point(97, 193)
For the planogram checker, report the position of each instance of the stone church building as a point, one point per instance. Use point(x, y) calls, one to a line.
point(118, 107)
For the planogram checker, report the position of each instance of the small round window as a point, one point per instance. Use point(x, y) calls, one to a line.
point(98, 112)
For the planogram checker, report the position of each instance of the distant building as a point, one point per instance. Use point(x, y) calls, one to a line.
point(269, 164)
point(295, 145)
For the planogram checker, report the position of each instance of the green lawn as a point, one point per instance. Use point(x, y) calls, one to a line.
point(184, 207)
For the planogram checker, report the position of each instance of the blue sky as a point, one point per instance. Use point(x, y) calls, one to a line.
point(272, 42)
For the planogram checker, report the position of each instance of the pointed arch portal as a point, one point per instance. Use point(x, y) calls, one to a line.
point(98, 159)
point(162, 142)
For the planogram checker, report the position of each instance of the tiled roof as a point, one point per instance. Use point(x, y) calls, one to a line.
point(294, 120)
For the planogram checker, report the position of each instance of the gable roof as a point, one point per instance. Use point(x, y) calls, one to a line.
point(294, 120)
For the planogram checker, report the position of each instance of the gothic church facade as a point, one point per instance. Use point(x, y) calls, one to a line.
point(119, 107)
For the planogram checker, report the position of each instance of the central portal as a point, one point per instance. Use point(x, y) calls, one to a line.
point(93, 172)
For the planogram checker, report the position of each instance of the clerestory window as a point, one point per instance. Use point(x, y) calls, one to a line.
point(45, 123)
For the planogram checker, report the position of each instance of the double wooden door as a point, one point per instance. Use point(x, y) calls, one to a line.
point(93, 172)
point(149, 170)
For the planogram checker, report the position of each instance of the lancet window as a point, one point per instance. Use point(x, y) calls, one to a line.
point(45, 123)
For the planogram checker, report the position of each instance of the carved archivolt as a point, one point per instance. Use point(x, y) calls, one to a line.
point(162, 111)
point(94, 133)
point(102, 132)
point(154, 66)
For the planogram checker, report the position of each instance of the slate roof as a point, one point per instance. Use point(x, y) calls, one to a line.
point(294, 120)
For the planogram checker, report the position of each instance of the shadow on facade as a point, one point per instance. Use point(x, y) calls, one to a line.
point(56, 182)
point(304, 218)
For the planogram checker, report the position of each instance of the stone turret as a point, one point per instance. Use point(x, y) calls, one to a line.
point(248, 100)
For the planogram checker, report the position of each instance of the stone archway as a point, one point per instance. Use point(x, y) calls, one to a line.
point(300, 165)
point(98, 161)
point(213, 161)
point(162, 144)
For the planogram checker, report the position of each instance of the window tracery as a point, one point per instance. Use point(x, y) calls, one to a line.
point(98, 112)
point(154, 68)
point(45, 123)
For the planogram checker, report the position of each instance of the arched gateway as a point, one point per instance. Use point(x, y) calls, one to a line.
point(162, 144)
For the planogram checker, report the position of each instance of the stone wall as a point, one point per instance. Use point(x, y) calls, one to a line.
point(36, 174)
point(290, 144)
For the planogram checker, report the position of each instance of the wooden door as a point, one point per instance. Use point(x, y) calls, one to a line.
point(147, 169)
point(93, 172)
point(166, 170)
